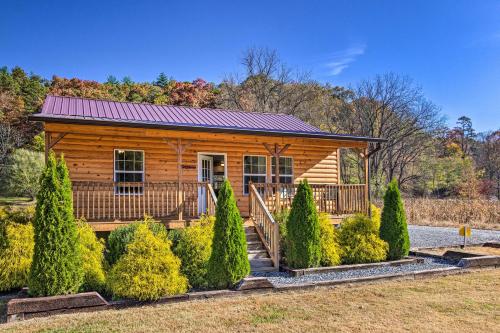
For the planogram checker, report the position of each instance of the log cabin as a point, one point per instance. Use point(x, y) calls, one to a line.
point(127, 160)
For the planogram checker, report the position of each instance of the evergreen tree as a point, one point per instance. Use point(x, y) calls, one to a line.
point(393, 227)
point(303, 230)
point(162, 80)
point(56, 267)
point(228, 262)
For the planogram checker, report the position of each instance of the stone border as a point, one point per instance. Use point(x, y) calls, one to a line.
point(25, 308)
point(342, 268)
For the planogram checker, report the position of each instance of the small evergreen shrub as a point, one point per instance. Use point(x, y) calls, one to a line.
point(281, 218)
point(194, 248)
point(148, 270)
point(393, 227)
point(228, 262)
point(19, 215)
point(92, 252)
point(303, 231)
point(120, 237)
point(16, 257)
point(57, 267)
point(330, 250)
point(359, 241)
point(375, 215)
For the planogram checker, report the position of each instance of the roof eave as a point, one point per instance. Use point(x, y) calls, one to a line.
point(82, 121)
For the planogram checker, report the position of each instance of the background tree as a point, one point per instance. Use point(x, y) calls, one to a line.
point(23, 173)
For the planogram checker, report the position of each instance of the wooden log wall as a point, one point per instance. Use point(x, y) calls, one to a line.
point(88, 150)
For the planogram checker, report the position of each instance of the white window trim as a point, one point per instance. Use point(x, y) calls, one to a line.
point(143, 172)
point(252, 174)
point(281, 175)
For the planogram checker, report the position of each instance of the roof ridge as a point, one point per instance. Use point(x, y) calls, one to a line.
point(172, 105)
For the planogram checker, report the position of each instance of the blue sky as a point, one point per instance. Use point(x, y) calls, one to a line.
point(450, 48)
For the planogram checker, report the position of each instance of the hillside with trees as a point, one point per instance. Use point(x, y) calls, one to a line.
point(422, 154)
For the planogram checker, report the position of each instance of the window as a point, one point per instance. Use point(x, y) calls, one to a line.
point(254, 170)
point(129, 168)
point(286, 170)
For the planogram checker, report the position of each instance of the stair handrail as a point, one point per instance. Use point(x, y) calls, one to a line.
point(211, 200)
point(265, 225)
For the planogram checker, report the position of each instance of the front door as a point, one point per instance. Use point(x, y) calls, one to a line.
point(205, 174)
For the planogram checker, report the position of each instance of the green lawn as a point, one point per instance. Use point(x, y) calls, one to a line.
point(14, 201)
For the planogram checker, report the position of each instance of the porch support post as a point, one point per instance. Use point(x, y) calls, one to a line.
point(51, 142)
point(367, 182)
point(276, 152)
point(179, 149)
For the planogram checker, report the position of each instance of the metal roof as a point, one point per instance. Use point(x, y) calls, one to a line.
point(105, 112)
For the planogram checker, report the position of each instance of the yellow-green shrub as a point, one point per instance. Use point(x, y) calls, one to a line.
point(148, 270)
point(16, 256)
point(194, 247)
point(92, 252)
point(330, 250)
point(376, 214)
point(120, 237)
point(360, 242)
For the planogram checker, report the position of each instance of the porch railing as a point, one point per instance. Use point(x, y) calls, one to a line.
point(108, 201)
point(267, 228)
point(332, 199)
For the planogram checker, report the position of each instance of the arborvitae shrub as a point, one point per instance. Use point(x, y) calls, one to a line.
point(330, 250)
point(56, 267)
point(148, 270)
point(16, 256)
point(375, 215)
point(359, 241)
point(120, 237)
point(228, 262)
point(393, 228)
point(92, 252)
point(303, 230)
point(194, 248)
point(281, 218)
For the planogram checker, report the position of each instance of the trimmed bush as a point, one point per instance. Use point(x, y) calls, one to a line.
point(56, 267)
point(281, 218)
point(92, 252)
point(359, 241)
point(16, 256)
point(393, 227)
point(228, 262)
point(303, 231)
point(20, 215)
point(330, 250)
point(120, 237)
point(194, 248)
point(148, 270)
point(375, 215)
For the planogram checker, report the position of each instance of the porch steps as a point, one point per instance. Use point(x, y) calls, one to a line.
point(257, 254)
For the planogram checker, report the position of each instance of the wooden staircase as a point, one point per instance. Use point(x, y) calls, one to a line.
point(260, 261)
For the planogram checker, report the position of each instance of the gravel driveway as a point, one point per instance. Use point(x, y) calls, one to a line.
point(423, 236)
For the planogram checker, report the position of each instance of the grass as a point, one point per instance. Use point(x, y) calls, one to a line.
point(477, 213)
point(14, 201)
point(459, 303)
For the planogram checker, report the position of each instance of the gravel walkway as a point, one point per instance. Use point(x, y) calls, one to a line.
point(424, 236)
point(283, 279)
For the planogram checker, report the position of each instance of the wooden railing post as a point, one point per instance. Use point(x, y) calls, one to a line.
point(276, 245)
